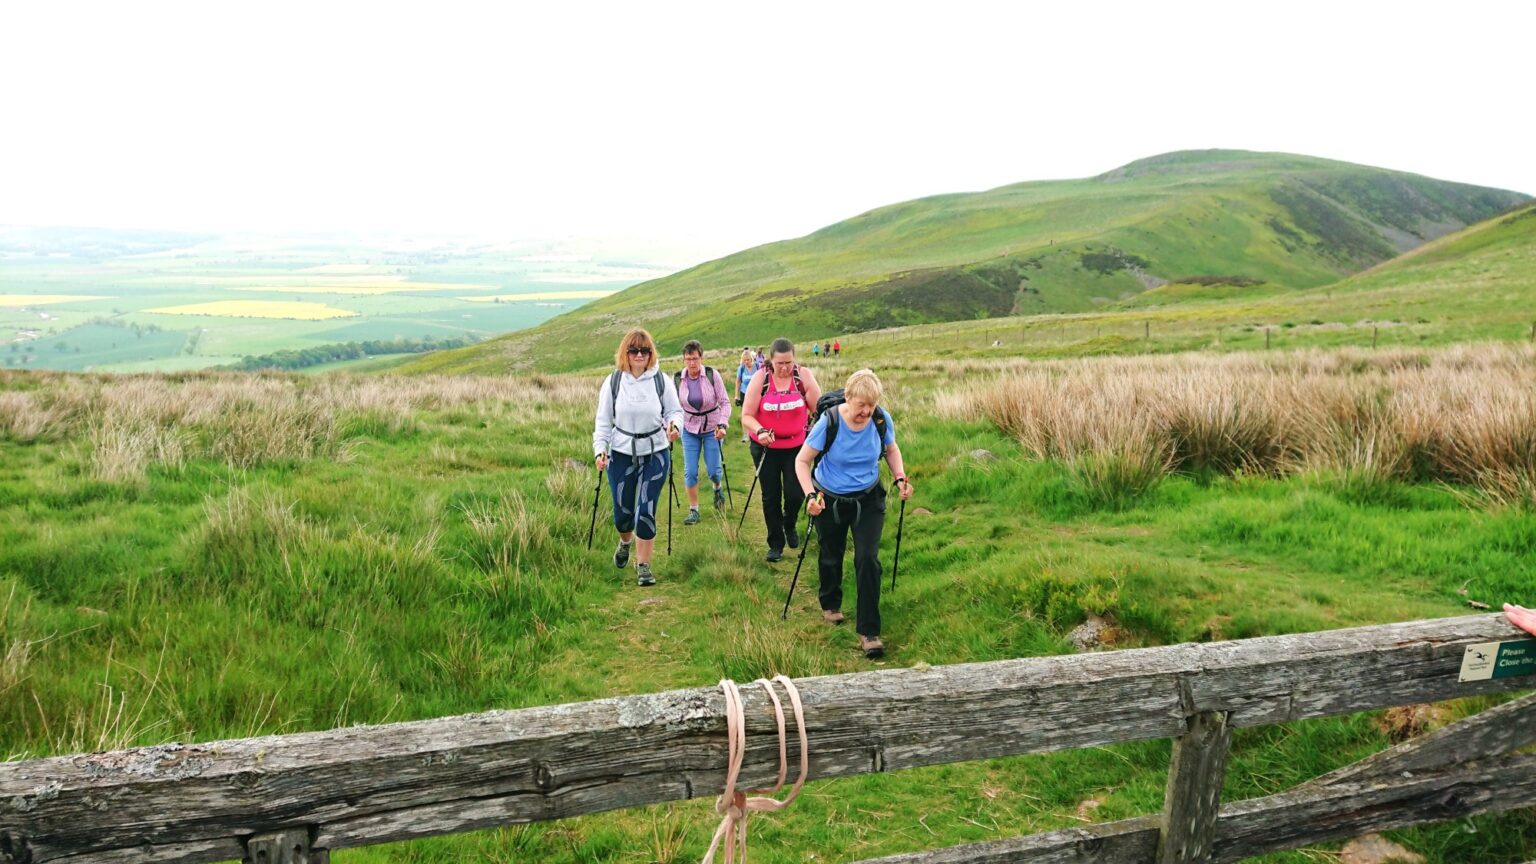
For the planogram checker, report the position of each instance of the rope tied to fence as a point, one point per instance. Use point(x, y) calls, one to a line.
point(733, 805)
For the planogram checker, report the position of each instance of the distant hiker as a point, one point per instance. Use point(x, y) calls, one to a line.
point(827, 349)
point(744, 369)
point(707, 405)
point(637, 416)
point(776, 414)
point(759, 359)
point(843, 493)
point(815, 350)
point(837, 347)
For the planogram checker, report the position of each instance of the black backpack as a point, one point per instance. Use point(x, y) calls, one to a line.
point(824, 408)
point(677, 383)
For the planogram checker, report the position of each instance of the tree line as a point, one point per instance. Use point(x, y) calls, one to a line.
point(304, 357)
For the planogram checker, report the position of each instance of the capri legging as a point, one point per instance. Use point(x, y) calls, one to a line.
point(636, 484)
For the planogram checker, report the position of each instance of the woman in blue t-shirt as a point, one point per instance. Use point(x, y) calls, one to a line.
point(843, 494)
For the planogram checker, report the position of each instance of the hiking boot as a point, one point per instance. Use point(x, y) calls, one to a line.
point(719, 498)
point(693, 516)
point(832, 616)
point(621, 556)
point(644, 575)
point(793, 537)
point(775, 556)
point(872, 647)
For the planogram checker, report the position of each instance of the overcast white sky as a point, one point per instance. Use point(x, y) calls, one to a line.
point(725, 124)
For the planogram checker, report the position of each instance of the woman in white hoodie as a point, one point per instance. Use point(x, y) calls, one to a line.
point(638, 416)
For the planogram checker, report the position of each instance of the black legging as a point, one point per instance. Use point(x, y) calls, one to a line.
point(865, 515)
point(781, 491)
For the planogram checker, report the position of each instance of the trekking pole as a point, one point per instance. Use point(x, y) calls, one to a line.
point(900, 520)
point(756, 472)
point(597, 491)
point(725, 478)
point(810, 529)
point(670, 504)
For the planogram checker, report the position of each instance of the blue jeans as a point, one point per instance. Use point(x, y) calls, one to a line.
point(691, 445)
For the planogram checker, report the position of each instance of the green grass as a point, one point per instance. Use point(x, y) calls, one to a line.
point(434, 562)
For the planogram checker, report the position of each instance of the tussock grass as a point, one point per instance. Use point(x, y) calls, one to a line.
point(131, 424)
point(1464, 416)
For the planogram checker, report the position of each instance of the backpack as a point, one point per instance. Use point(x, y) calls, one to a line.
point(799, 385)
point(824, 408)
point(613, 400)
point(709, 376)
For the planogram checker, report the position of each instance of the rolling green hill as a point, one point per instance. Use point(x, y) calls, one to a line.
point(1277, 222)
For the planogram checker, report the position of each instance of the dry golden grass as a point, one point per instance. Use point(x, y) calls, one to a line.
point(127, 424)
point(1464, 415)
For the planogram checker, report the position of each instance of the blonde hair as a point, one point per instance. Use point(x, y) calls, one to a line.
point(864, 385)
point(637, 338)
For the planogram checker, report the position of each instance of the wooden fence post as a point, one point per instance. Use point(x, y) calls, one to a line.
point(1193, 799)
point(284, 847)
point(1266, 338)
point(1374, 332)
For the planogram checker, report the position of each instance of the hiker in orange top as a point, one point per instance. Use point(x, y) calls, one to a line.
point(776, 414)
point(837, 347)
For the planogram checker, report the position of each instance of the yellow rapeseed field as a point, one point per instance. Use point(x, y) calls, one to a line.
point(17, 300)
point(580, 294)
point(259, 309)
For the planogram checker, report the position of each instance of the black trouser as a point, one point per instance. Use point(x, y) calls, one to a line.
point(865, 515)
point(781, 491)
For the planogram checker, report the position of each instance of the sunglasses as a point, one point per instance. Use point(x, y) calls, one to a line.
point(644, 352)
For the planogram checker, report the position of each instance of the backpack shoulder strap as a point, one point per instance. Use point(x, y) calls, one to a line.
point(661, 389)
point(833, 422)
point(613, 394)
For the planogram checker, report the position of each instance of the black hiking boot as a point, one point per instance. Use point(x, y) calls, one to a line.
point(621, 556)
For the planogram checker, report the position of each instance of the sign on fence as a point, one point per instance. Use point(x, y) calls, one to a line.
point(1487, 660)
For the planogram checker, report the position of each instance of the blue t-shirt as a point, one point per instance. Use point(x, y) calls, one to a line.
point(853, 464)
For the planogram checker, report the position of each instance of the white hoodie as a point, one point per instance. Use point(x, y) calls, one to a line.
point(638, 411)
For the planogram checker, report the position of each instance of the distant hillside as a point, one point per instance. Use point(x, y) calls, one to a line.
point(1276, 221)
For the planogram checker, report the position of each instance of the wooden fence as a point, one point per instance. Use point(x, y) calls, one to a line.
point(293, 798)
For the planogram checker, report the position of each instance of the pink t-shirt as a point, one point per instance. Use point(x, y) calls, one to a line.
point(784, 414)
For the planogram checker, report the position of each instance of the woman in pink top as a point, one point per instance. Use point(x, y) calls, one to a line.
point(707, 406)
point(776, 413)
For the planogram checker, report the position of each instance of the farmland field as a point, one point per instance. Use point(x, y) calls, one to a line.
point(190, 302)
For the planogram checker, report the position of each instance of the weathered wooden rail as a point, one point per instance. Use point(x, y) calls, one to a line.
point(296, 797)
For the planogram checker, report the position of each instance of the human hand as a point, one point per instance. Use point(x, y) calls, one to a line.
point(764, 436)
point(814, 505)
point(602, 461)
point(905, 486)
point(1521, 617)
point(719, 433)
point(673, 434)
